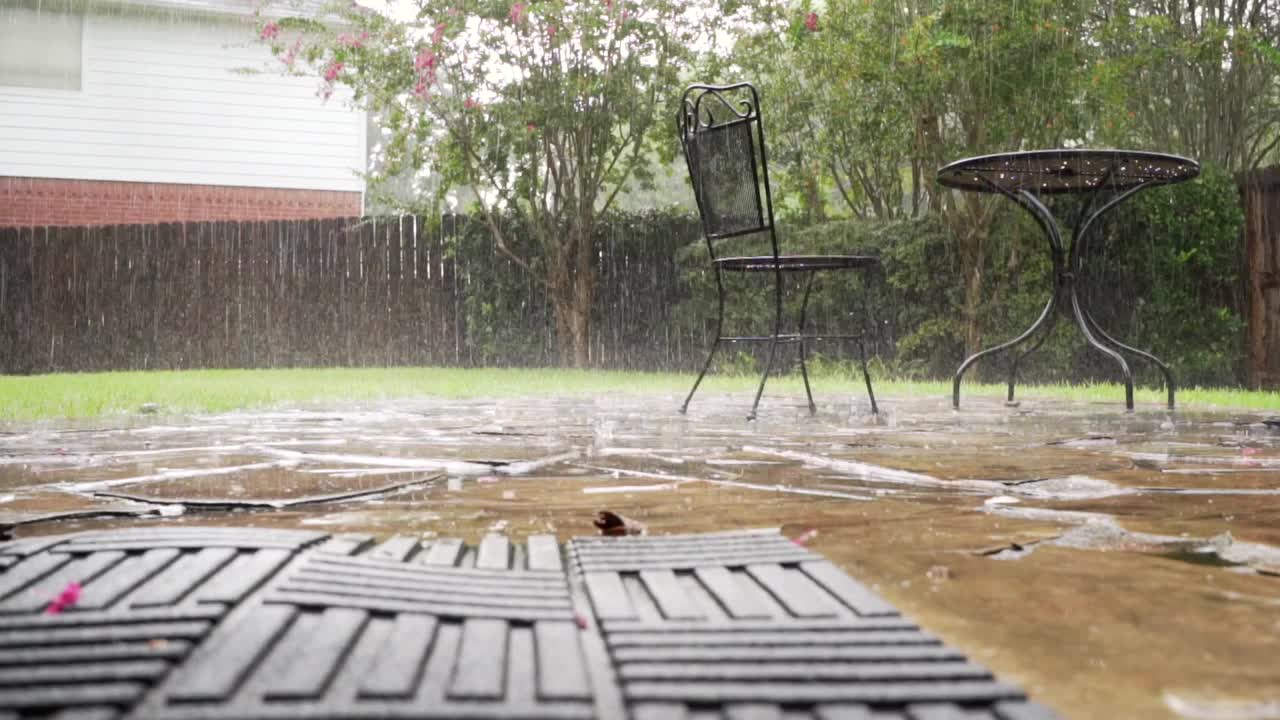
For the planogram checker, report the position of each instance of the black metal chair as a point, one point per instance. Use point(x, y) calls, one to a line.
point(722, 135)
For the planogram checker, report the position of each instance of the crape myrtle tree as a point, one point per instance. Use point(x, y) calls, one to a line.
point(544, 110)
point(836, 112)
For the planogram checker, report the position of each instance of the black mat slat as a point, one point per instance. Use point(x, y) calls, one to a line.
point(443, 552)
point(398, 548)
point(51, 674)
point(347, 544)
point(182, 576)
point(87, 713)
point(61, 654)
point(239, 577)
point(234, 624)
point(395, 672)
point(132, 572)
point(544, 554)
point(217, 668)
point(32, 570)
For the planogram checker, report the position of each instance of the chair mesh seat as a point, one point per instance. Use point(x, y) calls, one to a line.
point(796, 263)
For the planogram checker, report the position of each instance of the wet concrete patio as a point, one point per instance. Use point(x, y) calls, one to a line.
point(1113, 564)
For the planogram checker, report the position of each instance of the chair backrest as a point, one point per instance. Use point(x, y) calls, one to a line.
point(722, 136)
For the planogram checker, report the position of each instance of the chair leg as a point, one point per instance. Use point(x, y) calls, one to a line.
point(714, 345)
point(773, 343)
point(866, 377)
point(773, 347)
point(705, 366)
point(862, 348)
point(804, 355)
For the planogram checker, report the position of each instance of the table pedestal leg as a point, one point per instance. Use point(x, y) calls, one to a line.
point(1044, 218)
point(1093, 332)
point(1045, 316)
point(1169, 384)
point(1052, 318)
point(1079, 312)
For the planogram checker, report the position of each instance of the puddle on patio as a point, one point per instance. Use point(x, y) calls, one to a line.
point(1113, 564)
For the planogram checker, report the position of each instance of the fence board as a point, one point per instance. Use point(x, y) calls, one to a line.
point(1260, 193)
point(335, 292)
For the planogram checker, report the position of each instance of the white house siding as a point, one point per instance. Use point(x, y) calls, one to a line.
point(159, 102)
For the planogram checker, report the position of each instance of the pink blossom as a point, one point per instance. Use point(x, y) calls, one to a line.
point(426, 59)
point(69, 596)
point(269, 31)
point(518, 13)
point(420, 89)
point(438, 34)
point(531, 127)
point(811, 22)
point(353, 41)
point(470, 104)
point(292, 55)
point(331, 72)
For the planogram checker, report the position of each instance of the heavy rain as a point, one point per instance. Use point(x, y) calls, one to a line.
point(474, 185)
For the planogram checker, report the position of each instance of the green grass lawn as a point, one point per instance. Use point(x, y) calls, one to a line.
point(80, 395)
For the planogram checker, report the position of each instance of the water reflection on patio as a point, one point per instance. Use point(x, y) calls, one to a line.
point(1116, 565)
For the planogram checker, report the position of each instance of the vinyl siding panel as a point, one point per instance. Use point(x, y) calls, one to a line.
point(161, 102)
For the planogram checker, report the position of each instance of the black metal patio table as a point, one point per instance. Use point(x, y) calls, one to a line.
point(1026, 176)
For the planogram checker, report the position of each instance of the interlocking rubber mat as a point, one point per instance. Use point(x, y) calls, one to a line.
point(250, 623)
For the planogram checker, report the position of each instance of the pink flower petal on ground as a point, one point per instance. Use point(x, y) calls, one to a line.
point(69, 596)
point(806, 537)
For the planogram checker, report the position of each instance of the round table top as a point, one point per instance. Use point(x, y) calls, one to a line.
point(1066, 170)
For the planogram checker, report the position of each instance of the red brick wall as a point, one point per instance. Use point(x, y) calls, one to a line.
point(38, 201)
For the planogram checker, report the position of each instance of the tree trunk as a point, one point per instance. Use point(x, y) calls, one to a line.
point(973, 251)
point(584, 295)
point(572, 287)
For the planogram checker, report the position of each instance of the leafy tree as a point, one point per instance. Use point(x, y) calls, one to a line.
point(1197, 78)
point(544, 109)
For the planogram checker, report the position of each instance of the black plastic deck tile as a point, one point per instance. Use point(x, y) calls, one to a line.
point(189, 623)
point(752, 625)
point(404, 630)
point(144, 604)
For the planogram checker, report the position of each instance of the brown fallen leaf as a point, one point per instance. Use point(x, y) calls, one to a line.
point(615, 525)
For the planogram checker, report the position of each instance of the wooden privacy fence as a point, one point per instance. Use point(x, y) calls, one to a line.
point(343, 292)
point(1261, 196)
